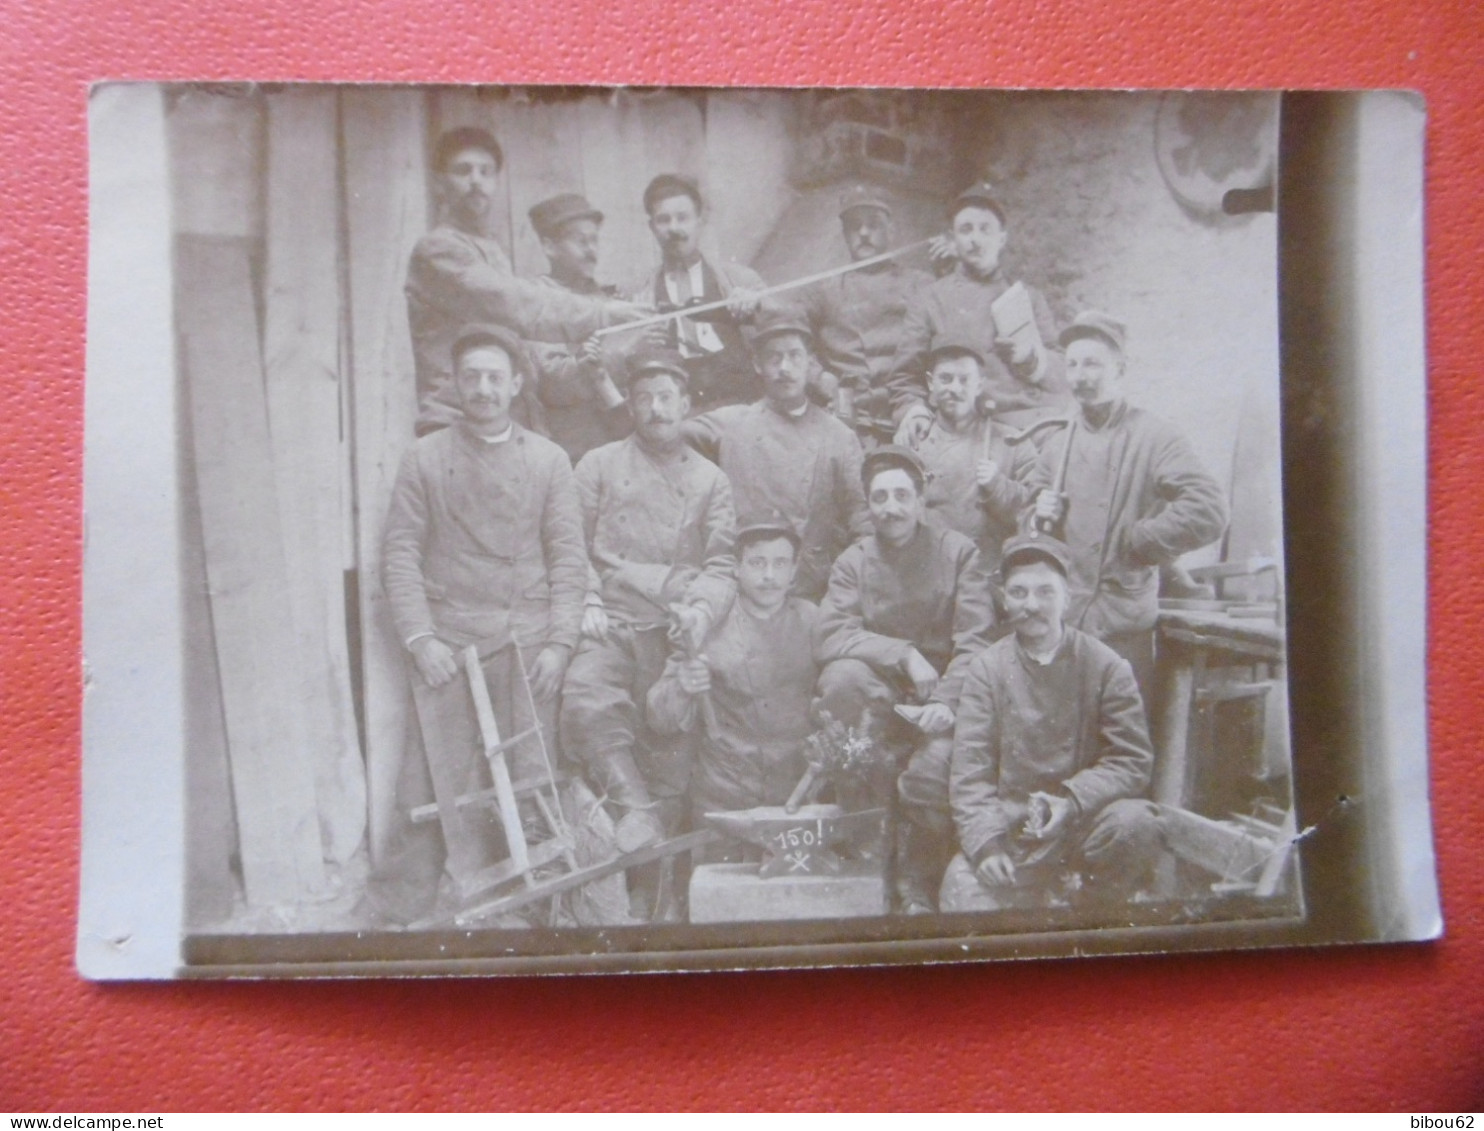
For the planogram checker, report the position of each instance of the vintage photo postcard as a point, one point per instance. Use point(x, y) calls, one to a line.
point(539, 529)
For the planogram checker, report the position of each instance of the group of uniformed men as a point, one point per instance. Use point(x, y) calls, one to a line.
point(797, 507)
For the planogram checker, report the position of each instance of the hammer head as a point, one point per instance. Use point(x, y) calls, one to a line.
point(1034, 430)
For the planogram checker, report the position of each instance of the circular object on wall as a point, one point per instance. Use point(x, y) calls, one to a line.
point(1218, 150)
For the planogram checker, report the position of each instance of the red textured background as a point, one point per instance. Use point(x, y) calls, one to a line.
point(1373, 1027)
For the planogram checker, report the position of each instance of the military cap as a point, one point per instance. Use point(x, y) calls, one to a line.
point(657, 359)
point(1096, 324)
point(953, 345)
point(765, 525)
point(476, 334)
point(666, 185)
point(550, 214)
point(980, 194)
point(889, 456)
point(863, 196)
point(1024, 548)
point(772, 323)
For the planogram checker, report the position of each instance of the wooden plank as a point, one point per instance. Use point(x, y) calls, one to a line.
point(211, 830)
point(452, 743)
point(614, 173)
point(216, 161)
point(385, 185)
point(489, 735)
point(302, 369)
point(572, 880)
point(273, 784)
point(543, 154)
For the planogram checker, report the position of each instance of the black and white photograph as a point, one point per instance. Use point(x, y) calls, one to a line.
point(643, 529)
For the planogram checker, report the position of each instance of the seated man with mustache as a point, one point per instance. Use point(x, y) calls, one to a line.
point(1049, 752)
point(907, 607)
point(756, 667)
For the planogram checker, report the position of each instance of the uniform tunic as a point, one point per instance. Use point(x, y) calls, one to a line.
point(989, 514)
point(807, 466)
point(1073, 726)
point(958, 306)
point(485, 540)
point(576, 417)
point(931, 594)
point(858, 321)
point(455, 278)
point(762, 679)
point(659, 531)
point(1138, 498)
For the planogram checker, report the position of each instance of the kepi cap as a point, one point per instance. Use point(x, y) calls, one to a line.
point(954, 345)
point(772, 323)
point(550, 214)
point(1096, 324)
point(863, 196)
point(657, 359)
point(1035, 547)
point(979, 193)
point(893, 455)
point(489, 334)
point(766, 524)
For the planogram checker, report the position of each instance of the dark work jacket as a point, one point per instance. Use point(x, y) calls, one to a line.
point(932, 594)
point(1074, 726)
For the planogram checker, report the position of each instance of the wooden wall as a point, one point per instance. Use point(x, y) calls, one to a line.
point(295, 211)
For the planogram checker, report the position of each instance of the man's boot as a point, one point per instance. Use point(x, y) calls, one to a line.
point(636, 826)
point(921, 858)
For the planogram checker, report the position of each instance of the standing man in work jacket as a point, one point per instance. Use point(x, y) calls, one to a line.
point(711, 345)
point(787, 454)
point(979, 483)
point(1136, 498)
point(583, 406)
point(859, 318)
point(484, 546)
point(908, 606)
point(1023, 373)
point(659, 525)
point(460, 274)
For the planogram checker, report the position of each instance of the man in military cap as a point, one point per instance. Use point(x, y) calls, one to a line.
point(1050, 753)
point(979, 482)
point(459, 274)
point(659, 525)
point(583, 406)
point(483, 545)
point(907, 608)
point(712, 346)
point(859, 318)
point(1022, 371)
point(745, 688)
point(788, 454)
point(1136, 497)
